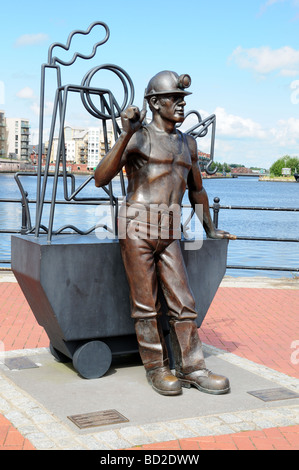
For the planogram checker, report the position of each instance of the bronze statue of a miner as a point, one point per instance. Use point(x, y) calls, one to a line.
point(160, 163)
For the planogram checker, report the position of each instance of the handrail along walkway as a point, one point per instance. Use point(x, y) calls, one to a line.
point(26, 227)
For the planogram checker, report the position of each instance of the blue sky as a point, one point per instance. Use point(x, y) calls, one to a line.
point(243, 57)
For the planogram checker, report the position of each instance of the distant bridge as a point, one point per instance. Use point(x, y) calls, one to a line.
point(248, 174)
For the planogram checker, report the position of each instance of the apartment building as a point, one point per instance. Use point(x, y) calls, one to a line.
point(3, 149)
point(82, 146)
point(74, 143)
point(18, 134)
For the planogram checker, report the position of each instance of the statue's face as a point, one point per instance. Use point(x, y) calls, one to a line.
point(171, 107)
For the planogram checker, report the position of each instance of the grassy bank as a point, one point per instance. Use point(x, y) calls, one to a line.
point(284, 179)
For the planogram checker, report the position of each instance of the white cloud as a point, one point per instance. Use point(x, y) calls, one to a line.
point(265, 60)
point(31, 39)
point(236, 126)
point(268, 4)
point(48, 108)
point(34, 134)
point(26, 93)
point(229, 125)
point(289, 73)
point(286, 133)
point(240, 139)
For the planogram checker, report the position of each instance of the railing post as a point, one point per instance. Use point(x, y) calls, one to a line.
point(24, 214)
point(216, 208)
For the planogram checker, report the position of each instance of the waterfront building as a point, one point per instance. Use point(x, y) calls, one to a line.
point(82, 146)
point(18, 133)
point(74, 142)
point(75, 145)
point(94, 146)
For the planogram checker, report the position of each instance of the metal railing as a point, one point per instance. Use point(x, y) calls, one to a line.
point(26, 227)
point(216, 209)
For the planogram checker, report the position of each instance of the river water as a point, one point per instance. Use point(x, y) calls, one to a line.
point(242, 191)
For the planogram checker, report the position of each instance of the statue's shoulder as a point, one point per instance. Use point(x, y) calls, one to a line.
point(142, 135)
point(192, 144)
point(139, 140)
point(187, 137)
point(190, 139)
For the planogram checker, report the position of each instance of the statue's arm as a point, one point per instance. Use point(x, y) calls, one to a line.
point(115, 159)
point(198, 195)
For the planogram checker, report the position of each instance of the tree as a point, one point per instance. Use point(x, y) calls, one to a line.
point(226, 168)
point(236, 165)
point(217, 165)
point(221, 167)
point(285, 162)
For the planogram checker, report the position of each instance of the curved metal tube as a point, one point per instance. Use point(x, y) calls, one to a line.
point(53, 60)
point(207, 169)
point(203, 127)
point(128, 98)
point(24, 201)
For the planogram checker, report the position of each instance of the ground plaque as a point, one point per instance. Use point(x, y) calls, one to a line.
point(274, 394)
point(98, 418)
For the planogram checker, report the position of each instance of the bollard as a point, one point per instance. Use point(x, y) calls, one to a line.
point(216, 208)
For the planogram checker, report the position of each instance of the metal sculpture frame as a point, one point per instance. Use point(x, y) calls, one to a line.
point(109, 110)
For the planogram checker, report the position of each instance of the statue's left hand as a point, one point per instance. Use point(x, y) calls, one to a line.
point(221, 234)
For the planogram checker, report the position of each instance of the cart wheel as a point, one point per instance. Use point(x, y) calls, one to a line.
point(92, 360)
point(59, 355)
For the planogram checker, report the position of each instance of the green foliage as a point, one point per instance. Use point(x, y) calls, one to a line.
point(214, 165)
point(285, 162)
point(222, 167)
point(236, 165)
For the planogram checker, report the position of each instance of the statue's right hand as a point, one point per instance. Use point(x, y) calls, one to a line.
point(132, 119)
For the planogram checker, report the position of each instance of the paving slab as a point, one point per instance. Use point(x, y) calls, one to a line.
point(261, 282)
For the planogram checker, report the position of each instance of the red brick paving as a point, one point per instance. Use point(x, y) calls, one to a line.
point(286, 438)
point(257, 324)
point(18, 327)
point(10, 438)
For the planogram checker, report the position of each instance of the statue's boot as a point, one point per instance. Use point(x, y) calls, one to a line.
point(154, 356)
point(189, 359)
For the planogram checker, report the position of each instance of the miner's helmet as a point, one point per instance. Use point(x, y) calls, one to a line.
point(168, 83)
